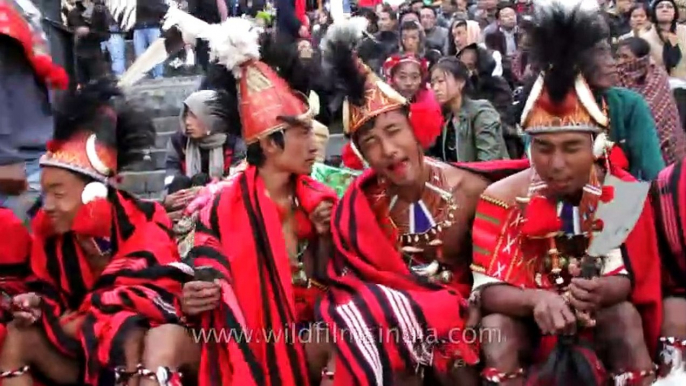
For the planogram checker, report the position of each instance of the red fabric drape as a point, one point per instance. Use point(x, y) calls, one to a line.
point(258, 297)
point(372, 289)
point(137, 288)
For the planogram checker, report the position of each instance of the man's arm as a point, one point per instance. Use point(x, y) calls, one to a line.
point(508, 300)
point(614, 289)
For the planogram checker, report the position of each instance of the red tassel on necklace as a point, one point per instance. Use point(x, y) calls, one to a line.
point(608, 194)
point(541, 218)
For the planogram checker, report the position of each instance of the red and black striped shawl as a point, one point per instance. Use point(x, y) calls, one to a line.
point(240, 235)
point(670, 210)
point(386, 319)
point(137, 288)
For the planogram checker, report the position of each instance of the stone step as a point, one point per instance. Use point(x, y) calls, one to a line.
point(162, 139)
point(142, 183)
point(158, 156)
point(162, 97)
point(166, 124)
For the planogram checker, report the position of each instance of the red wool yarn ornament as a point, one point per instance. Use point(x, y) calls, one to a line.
point(427, 121)
point(617, 158)
point(608, 193)
point(541, 218)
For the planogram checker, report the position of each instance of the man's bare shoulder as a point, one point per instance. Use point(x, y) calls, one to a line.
point(459, 179)
point(509, 188)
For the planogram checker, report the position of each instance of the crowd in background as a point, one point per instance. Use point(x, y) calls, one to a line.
point(471, 61)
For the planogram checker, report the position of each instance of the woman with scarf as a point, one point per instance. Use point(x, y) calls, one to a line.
point(637, 72)
point(667, 39)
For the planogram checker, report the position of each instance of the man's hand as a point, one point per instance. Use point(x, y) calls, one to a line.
point(26, 308)
point(179, 199)
point(82, 31)
point(552, 314)
point(199, 297)
point(584, 294)
point(321, 218)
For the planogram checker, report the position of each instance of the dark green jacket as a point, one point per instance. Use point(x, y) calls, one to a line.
point(633, 128)
point(475, 134)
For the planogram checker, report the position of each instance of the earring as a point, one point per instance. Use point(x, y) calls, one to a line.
point(93, 191)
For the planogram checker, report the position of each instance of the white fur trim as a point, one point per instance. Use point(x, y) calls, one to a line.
point(533, 96)
point(358, 154)
point(314, 103)
point(93, 191)
point(233, 43)
point(346, 116)
point(601, 145)
point(588, 101)
point(93, 158)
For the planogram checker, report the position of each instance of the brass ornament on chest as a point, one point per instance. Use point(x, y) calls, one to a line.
point(299, 277)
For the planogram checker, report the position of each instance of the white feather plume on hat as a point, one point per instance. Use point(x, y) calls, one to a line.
point(233, 43)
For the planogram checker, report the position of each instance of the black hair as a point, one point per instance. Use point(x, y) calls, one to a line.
point(452, 48)
point(389, 10)
point(410, 26)
point(454, 67)
point(200, 179)
point(220, 79)
point(407, 12)
point(180, 182)
point(255, 155)
point(502, 6)
point(562, 44)
point(432, 9)
point(128, 129)
point(644, 6)
point(638, 46)
point(405, 109)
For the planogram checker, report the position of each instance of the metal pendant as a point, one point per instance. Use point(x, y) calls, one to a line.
point(299, 277)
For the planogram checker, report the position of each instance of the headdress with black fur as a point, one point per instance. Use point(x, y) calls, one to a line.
point(97, 132)
point(562, 37)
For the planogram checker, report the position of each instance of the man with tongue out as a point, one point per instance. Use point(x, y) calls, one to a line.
point(399, 282)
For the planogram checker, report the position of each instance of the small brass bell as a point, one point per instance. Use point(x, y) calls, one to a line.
point(299, 277)
point(445, 277)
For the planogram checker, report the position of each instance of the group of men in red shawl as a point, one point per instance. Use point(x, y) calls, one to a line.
point(372, 289)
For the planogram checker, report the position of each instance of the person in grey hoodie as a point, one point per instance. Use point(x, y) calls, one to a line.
point(203, 145)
